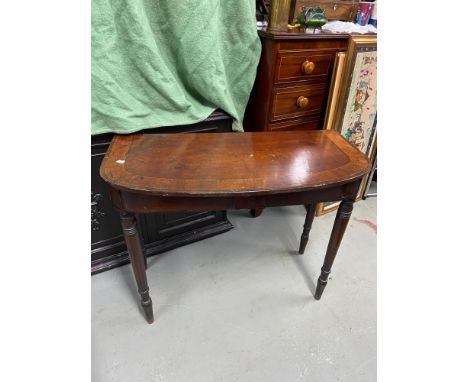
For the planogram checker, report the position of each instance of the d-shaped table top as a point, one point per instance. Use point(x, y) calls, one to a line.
point(227, 164)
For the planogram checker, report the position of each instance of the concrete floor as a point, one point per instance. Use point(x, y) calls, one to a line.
point(240, 307)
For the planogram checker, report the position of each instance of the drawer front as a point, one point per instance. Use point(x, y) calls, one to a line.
point(312, 122)
point(298, 101)
point(302, 66)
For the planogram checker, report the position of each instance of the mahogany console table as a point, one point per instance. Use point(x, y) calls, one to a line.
point(190, 172)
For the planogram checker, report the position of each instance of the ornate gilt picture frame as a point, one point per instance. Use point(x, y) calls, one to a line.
point(352, 101)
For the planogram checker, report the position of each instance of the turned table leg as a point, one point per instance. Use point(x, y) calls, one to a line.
point(339, 228)
point(137, 258)
point(307, 226)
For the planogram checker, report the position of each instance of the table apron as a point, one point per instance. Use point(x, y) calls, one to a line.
point(143, 203)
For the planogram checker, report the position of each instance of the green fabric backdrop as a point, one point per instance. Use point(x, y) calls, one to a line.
point(170, 62)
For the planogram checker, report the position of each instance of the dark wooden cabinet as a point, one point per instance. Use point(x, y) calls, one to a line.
point(162, 231)
point(293, 80)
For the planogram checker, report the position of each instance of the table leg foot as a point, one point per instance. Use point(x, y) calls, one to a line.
point(138, 261)
point(147, 306)
point(307, 226)
point(339, 227)
point(321, 283)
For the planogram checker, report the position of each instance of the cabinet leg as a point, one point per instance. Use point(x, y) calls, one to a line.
point(137, 258)
point(256, 212)
point(307, 226)
point(339, 228)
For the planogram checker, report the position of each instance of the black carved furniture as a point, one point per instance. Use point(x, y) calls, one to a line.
point(160, 231)
point(231, 171)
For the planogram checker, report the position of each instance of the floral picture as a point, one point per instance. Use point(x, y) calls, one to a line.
point(361, 106)
point(352, 104)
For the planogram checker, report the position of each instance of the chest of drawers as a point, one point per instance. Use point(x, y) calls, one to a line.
point(293, 80)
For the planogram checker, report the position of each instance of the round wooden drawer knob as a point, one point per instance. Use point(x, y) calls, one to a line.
point(308, 67)
point(302, 102)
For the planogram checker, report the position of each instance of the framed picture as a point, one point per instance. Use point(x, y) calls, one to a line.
point(372, 154)
point(352, 102)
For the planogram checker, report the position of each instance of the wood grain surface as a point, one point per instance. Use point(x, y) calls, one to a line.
point(231, 164)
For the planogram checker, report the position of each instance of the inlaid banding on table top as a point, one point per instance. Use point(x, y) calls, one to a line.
point(257, 163)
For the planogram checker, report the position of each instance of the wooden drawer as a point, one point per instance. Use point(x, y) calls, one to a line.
point(302, 66)
point(285, 101)
point(312, 122)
